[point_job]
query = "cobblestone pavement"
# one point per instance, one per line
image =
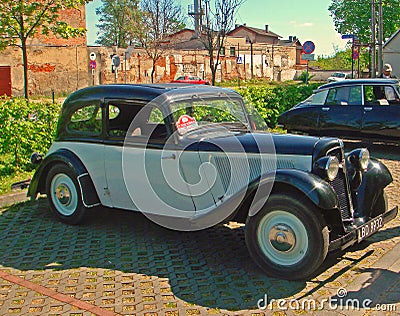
(121, 263)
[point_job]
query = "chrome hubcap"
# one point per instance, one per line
(63, 194)
(282, 237)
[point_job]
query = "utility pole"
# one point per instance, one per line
(380, 37)
(251, 59)
(373, 40)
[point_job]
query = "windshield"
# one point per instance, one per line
(197, 113)
(338, 75)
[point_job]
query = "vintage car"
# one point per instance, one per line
(191, 157)
(190, 80)
(339, 76)
(363, 109)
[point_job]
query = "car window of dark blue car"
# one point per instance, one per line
(317, 98)
(349, 95)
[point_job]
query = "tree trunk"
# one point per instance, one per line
(153, 70)
(25, 65)
(213, 71)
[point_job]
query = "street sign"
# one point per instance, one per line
(239, 59)
(355, 54)
(350, 36)
(347, 36)
(92, 64)
(116, 61)
(307, 56)
(92, 56)
(308, 47)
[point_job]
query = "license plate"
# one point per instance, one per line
(369, 228)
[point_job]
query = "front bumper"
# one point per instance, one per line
(352, 237)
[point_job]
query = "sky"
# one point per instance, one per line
(308, 20)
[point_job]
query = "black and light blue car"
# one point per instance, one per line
(191, 157)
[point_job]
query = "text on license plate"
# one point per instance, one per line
(369, 228)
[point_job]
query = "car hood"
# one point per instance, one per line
(287, 144)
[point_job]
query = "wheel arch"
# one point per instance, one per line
(299, 183)
(64, 156)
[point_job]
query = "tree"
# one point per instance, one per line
(21, 19)
(342, 60)
(114, 27)
(354, 17)
(159, 20)
(219, 20)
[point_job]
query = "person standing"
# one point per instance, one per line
(387, 72)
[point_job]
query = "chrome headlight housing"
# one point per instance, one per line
(327, 167)
(359, 158)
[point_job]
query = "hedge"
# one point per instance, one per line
(271, 101)
(25, 127)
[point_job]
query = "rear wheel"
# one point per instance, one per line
(287, 238)
(63, 193)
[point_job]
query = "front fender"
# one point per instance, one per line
(374, 180)
(318, 191)
(38, 182)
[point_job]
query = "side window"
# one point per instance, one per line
(120, 116)
(317, 98)
(86, 120)
(379, 95)
(390, 93)
(135, 120)
(355, 96)
(344, 96)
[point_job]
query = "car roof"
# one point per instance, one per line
(352, 82)
(144, 92)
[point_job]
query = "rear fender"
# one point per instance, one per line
(64, 156)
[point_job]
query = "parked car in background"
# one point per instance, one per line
(362, 109)
(189, 157)
(190, 80)
(339, 76)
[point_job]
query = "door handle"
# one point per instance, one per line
(367, 109)
(326, 109)
(173, 156)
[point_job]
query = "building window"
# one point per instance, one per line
(232, 51)
(222, 52)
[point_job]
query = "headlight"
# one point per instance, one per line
(327, 167)
(359, 158)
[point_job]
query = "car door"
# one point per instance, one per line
(341, 115)
(381, 113)
(303, 118)
(139, 165)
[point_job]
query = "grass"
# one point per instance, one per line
(8, 180)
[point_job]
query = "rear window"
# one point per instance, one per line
(86, 120)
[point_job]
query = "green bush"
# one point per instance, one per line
(270, 102)
(25, 127)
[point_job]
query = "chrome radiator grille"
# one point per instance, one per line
(340, 186)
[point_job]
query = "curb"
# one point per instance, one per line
(12, 198)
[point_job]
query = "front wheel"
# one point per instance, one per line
(287, 238)
(63, 194)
